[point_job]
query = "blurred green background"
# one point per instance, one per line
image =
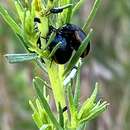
(108, 63)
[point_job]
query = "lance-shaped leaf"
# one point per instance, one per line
(69, 13)
(24, 42)
(92, 15)
(10, 21)
(88, 104)
(52, 36)
(90, 108)
(35, 115)
(77, 89)
(77, 6)
(39, 115)
(97, 110)
(72, 108)
(70, 99)
(46, 105)
(61, 117)
(20, 10)
(41, 65)
(78, 53)
(54, 50)
(16, 58)
(42, 83)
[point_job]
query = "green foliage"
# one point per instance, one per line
(16, 58)
(91, 16)
(9, 20)
(42, 113)
(45, 105)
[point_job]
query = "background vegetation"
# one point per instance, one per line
(108, 63)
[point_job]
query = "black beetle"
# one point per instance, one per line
(74, 35)
(70, 36)
(64, 52)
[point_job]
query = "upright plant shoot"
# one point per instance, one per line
(56, 45)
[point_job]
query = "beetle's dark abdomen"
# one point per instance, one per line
(74, 35)
(64, 52)
(70, 38)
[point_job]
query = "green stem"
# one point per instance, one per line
(56, 83)
(55, 73)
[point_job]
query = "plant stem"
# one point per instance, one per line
(56, 83)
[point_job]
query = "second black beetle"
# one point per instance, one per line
(70, 36)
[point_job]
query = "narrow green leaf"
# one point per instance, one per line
(35, 115)
(46, 106)
(10, 21)
(78, 53)
(44, 2)
(94, 94)
(54, 50)
(39, 107)
(88, 105)
(61, 117)
(99, 105)
(96, 105)
(42, 83)
(92, 15)
(77, 89)
(53, 34)
(41, 65)
(95, 113)
(85, 109)
(69, 13)
(71, 101)
(25, 44)
(16, 58)
(77, 6)
(37, 120)
(32, 106)
(20, 10)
